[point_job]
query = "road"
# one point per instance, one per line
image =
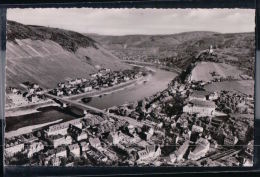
(87, 107)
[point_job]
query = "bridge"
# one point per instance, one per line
(87, 107)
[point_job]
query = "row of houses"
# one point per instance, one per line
(102, 79)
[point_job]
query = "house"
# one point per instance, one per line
(55, 161)
(86, 88)
(149, 133)
(78, 81)
(14, 90)
(59, 93)
(62, 128)
(73, 82)
(91, 120)
(84, 146)
(150, 152)
(61, 151)
(179, 153)
(230, 140)
(206, 108)
(83, 80)
(49, 154)
(29, 138)
(39, 92)
(197, 129)
(186, 134)
(175, 137)
(114, 137)
(213, 96)
(200, 150)
(106, 127)
(74, 149)
(61, 85)
(94, 75)
(34, 147)
(31, 90)
(96, 156)
(95, 142)
(249, 151)
(211, 50)
(77, 133)
(131, 129)
(33, 98)
(82, 136)
(35, 86)
(172, 157)
(57, 140)
(111, 155)
(13, 147)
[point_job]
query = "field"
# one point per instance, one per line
(203, 71)
(244, 86)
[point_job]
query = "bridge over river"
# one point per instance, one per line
(87, 107)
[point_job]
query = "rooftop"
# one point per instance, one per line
(199, 93)
(202, 103)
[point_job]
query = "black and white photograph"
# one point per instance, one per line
(130, 87)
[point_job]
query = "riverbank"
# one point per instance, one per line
(114, 88)
(155, 82)
(32, 107)
(138, 89)
(28, 109)
(111, 89)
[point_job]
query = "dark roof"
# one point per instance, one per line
(200, 93)
(202, 103)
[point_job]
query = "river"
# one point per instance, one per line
(156, 82)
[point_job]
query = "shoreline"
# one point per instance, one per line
(114, 89)
(32, 107)
(28, 109)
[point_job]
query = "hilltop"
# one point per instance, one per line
(50, 55)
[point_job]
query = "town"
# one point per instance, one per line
(183, 125)
(100, 81)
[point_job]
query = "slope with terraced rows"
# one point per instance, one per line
(50, 55)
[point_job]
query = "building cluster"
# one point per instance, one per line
(33, 93)
(192, 125)
(104, 78)
(90, 140)
(181, 125)
(235, 102)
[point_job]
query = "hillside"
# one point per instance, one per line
(179, 49)
(147, 45)
(50, 55)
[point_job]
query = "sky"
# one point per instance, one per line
(138, 21)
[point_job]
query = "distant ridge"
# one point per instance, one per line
(69, 40)
(179, 49)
